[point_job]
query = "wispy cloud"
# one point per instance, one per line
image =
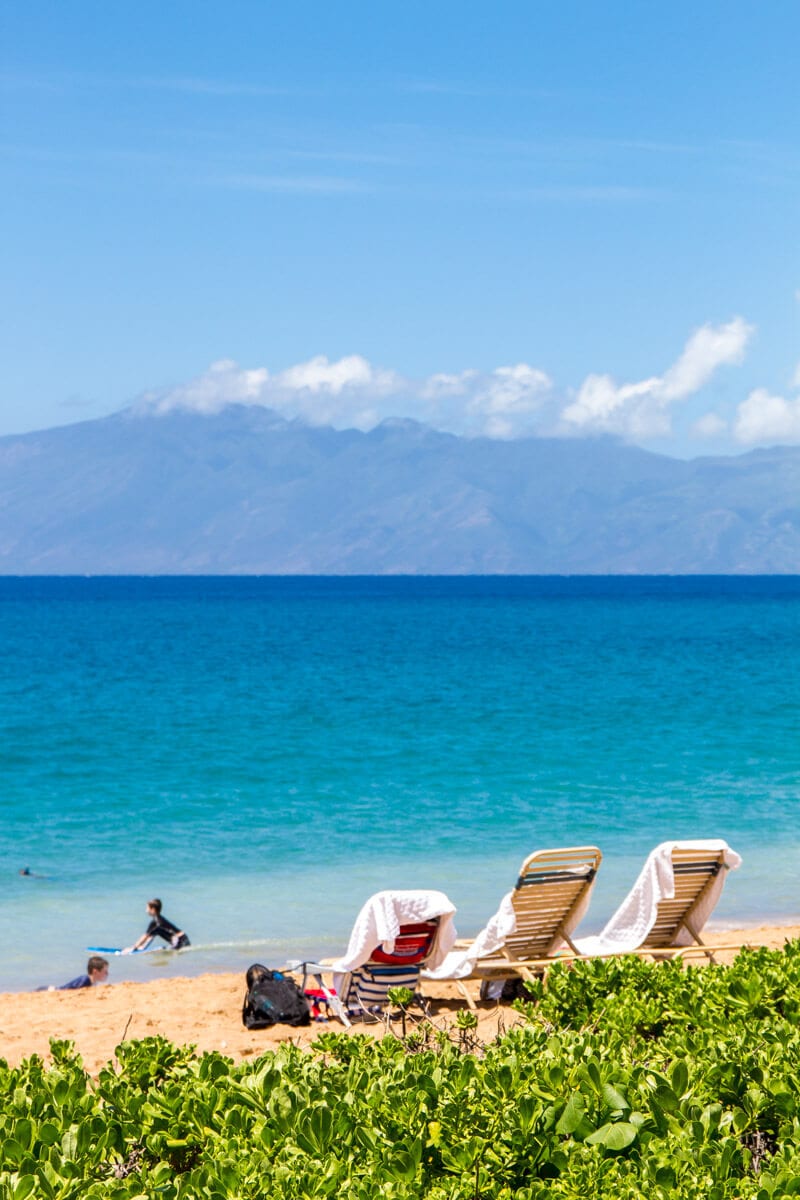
(11, 81)
(327, 185)
(204, 87)
(583, 193)
(360, 158)
(59, 81)
(460, 88)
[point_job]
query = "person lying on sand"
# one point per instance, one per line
(159, 927)
(96, 972)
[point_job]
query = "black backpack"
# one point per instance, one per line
(272, 999)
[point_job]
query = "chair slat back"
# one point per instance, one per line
(551, 885)
(694, 872)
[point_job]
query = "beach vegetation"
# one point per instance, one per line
(625, 1079)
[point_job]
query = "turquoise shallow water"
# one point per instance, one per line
(264, 753)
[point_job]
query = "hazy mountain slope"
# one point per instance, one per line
(245, 491)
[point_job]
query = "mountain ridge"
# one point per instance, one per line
(245, 491)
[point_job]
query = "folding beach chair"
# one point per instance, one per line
(393, 935)
(365, 989)
(534, 923)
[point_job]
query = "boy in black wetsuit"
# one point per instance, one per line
(159, 927)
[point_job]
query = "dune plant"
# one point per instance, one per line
(628, 1079)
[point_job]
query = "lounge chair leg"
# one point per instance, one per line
(463, 989)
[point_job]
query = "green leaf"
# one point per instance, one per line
(527, 1111)
(69, 1142)
(711, 1117)
(615, 1136)
(680, 1077)
(23, 1132)
(593, 1071)
(24, 1187)
(785, 1103)
(666, 1099)
(613, 1098)
(12, 1150)
(573, 1114)
(740, 1120)
(404, 1164)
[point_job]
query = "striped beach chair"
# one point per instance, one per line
(365, 989)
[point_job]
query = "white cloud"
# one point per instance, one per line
(321, 375)
(507, 402)
(709, 347)
(223, 383)
(319, 391)
(763, 418)
(507, 398)
(641, 410)
(602, 405)
(441, 385)
(351, 392)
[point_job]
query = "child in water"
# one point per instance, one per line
(159, 927)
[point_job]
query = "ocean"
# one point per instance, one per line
(263, 753)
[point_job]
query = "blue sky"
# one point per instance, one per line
(530, 218)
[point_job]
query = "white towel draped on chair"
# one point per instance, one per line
(378, 924)
(635, 917)
(460, 963)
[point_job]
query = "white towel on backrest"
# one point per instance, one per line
(635, 917)
(459, 963)
(379, 921)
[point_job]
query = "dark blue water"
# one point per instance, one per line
(263, 753)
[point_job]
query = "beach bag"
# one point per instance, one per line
(273, 999)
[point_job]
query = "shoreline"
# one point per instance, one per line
(205, 1011)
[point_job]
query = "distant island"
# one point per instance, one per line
(244, 491)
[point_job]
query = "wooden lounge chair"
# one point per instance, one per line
(668, 905)
(549, 898)
(698, 874)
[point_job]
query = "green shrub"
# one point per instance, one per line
(628, 1079)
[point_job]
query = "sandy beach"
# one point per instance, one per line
(205, 1011)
